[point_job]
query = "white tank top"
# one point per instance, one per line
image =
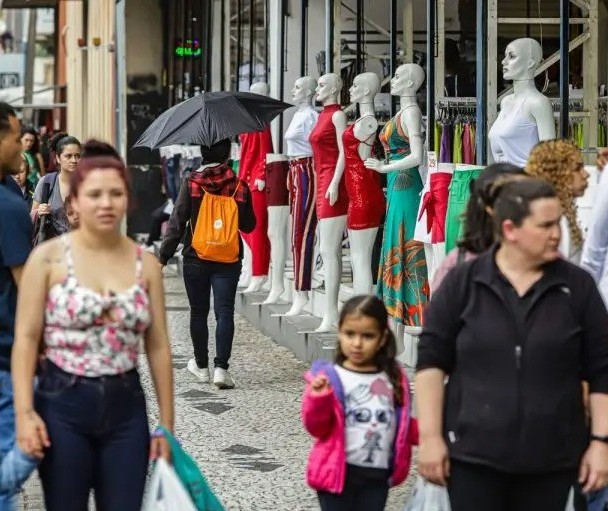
(513, 136)
(298, 132)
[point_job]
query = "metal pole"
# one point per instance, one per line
(303, 36)
(282, 10)
(329, 36)
(431, 14)
(30, 57)
(393, 49)
(564, 68)
(359, 15)
(267, 38)
(239, 42)
(251, 40)
(223, 45)
(481, 81)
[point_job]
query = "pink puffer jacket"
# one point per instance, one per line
(323, 418)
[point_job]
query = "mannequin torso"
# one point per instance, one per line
(526, 116)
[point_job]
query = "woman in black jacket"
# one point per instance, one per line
(202, 273)
(516, 331)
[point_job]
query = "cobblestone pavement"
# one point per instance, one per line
(248, 441)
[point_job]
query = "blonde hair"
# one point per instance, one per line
(555, 161)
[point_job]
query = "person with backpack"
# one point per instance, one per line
(516, 331)
(48, 207)
(213, 205)
(358, 410)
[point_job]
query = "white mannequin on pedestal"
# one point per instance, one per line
(331, 200)
(278, 220)
(257, 281)
(302, 192)
(526, 116)
(404, 185)
(367, 205)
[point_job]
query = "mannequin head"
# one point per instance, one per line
(303, 90)
(261, 88)
(522, 57)
(365, 87)
(407, 80)
(328, 88)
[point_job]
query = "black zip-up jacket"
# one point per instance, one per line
(513, 398)
(218, 180)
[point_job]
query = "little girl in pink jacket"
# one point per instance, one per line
(358, 409)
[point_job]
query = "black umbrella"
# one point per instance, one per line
(210, 117)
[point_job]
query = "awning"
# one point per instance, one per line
(26, 4)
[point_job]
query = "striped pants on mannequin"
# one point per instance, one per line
(302, 191)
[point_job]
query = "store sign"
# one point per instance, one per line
(188, 48)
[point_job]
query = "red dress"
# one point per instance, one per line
(325, 156)
(252, 166)
(366, 203)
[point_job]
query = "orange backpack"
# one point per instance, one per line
(216, 235)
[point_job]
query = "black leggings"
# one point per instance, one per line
(360, 494)
(478, 488)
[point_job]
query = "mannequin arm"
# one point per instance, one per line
(542, 112)
(411, 121)
(339, 120)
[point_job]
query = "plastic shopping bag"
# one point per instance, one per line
(165, 491)
(192, 478)
(428, 497)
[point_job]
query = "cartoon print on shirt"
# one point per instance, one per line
(369, 409)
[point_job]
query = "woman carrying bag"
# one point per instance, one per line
(517, 331)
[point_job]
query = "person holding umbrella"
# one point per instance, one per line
(212, 206)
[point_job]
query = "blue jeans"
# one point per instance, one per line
(200, 277)
(100, 440)
(598, 501)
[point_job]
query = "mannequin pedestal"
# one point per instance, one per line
(278, 219)
(331, 231)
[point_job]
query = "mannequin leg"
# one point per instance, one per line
(361, 247)
(278, 217)
(245, 278)
(331, 231)
(430, 260)
(304, 225)
(259, 243)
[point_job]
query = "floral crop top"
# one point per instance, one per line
(92, 335)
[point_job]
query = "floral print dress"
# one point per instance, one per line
(402, 280)
(90, 334)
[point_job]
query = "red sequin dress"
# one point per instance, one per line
(325, 156)
(366, 203)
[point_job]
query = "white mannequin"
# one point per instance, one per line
(363, 91)
(302, 95)
(256, 282)
(526, 105)
(331, 229)
(278, 220)
(405, 84)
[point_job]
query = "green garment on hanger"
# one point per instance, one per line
(457, 156)
(438, 140)
(460, 191)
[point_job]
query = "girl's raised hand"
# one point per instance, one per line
(319, 385)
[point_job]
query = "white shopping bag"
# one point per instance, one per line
(165, 491)
(428, 497)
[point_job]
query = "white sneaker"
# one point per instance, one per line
(222, 379)
(201, 374)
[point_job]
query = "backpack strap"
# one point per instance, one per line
(236, 189)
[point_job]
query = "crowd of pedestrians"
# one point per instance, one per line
(512, 371)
